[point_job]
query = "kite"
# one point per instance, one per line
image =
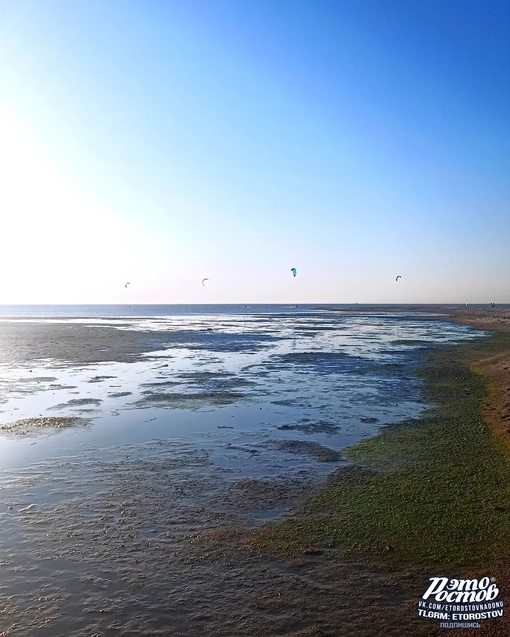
(399, 277)
(128, 283)
(294, 271)
(203, 282)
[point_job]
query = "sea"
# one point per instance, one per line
(152, 310)
(261, 390)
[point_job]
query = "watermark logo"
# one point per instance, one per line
(461, 603)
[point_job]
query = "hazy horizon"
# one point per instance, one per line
(251, 305)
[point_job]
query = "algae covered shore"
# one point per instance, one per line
(434, 491)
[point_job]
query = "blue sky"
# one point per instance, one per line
(163, 142)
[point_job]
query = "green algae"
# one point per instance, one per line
(434, 490)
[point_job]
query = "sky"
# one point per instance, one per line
(161, 142)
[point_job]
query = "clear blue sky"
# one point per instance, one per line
(161, 142)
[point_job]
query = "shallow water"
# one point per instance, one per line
(228, 380)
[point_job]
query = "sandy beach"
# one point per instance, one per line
(156, 541)
(492, 318)
(495, 368)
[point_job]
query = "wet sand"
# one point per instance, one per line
(72, 343)
(160, 552)
(159, 544)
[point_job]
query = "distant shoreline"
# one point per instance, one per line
(494, 319)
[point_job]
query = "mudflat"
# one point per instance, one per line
(75, 343)
(157, 542)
